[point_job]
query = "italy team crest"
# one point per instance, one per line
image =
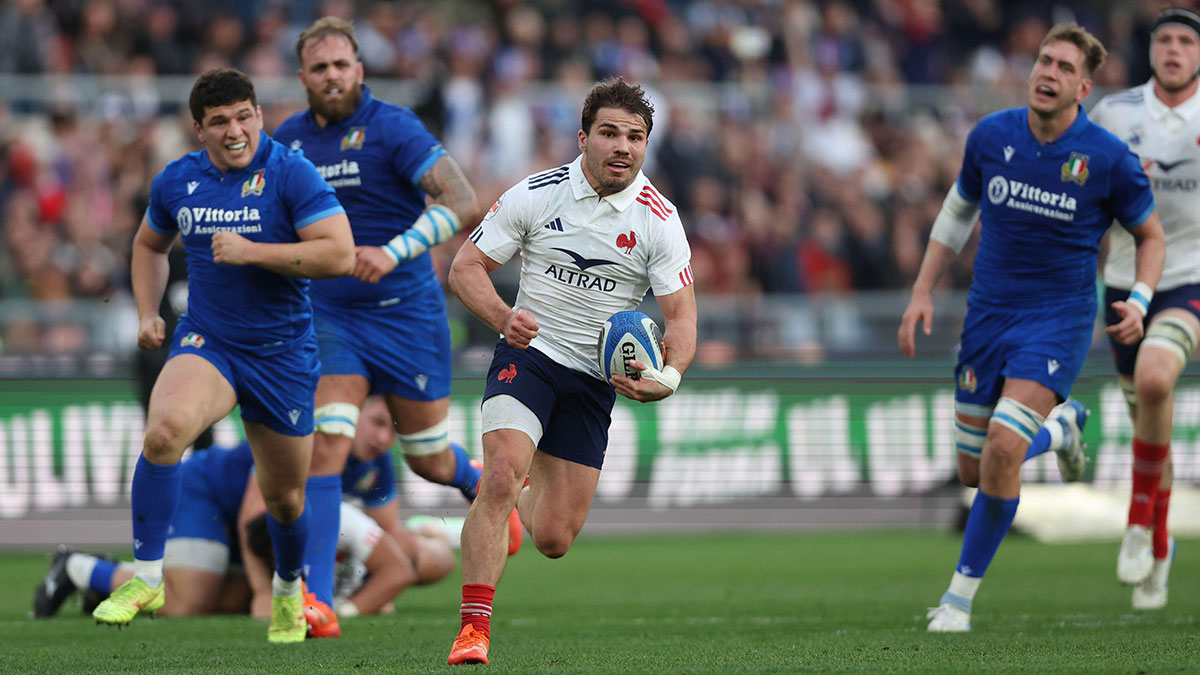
(254, 184)
(353, 140)
(192, 340)
(1075, 169)
(966, 379)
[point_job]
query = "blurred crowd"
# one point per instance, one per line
(807, 143)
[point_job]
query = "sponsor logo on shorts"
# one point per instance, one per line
(422, 380)
(507, 374)
(966, 379)
(194, 340)
(1052, 366)
(294, 415)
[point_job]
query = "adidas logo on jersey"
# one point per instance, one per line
(555, 225)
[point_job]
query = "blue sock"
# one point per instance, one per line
(101, 580)
(325, 501)
(155, 498)
(987, 524)
(288, 542)
(1040, 444)
(466, 477)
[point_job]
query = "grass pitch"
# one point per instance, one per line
(730, 603)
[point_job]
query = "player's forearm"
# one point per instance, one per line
(1148, 260)
(148, 272)
(446, 184)
(474, 288)
(938, 258)
(313, 259)
(679, 341)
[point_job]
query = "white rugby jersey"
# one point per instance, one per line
(584, 258)
(1167, 140)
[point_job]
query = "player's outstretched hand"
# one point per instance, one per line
(371, 264)
(920, 308)
(151, 332)
(520, 329)
(1129, 329)
(642, 389)
(231, 248)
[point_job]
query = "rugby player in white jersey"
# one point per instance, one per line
(593, 236)
(1160, 120)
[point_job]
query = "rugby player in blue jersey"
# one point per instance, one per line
(256, 221)
(1047, 184)
(383, 330)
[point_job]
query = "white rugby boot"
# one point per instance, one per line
(949, 617)
(1068, 445)
(1136, 558)
(1152, 593)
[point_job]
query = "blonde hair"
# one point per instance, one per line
(1094, 52)
(322, 28)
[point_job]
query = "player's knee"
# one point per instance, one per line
(285, 505)
(426, 452)
(437, 468)
(968, 477)
(1153, 385)
(554, 544)
(164, 441)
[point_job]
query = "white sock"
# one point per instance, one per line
(79, 569)
(149, 571)
(1058, 434)
(964, 586)
(283, 588)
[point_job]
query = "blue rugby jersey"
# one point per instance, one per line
(1045, 207)
(373, 482)
(223, 471)
(375, 159)
(270, 200)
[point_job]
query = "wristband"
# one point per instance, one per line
(1140, 297)
(668, 377)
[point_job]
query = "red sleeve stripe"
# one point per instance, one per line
(686, 276)
(642, 200)
(648, 191)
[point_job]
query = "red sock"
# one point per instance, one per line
(1162, 544)
(1148, 460)
(476, 607)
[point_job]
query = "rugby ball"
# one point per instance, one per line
(629, 336)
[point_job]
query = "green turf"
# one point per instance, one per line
(752, 603)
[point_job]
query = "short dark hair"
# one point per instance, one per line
(258, 538)
(615, 92)
(1093, 51)
(322, 28)
(218, 87)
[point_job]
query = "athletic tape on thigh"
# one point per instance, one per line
(506, 412)
(428, 442)
(1174, 335)
(336, 419)
(196, 553)
(968, 438)
(1018, 417)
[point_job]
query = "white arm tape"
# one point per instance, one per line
(955, 221)
(435, 226)
(668, 377)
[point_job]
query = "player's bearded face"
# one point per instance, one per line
(1175, 56)
(332, 76)
(230, 134)
(614, 149)
(1058, 81)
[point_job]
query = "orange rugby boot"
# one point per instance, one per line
(471, 646)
